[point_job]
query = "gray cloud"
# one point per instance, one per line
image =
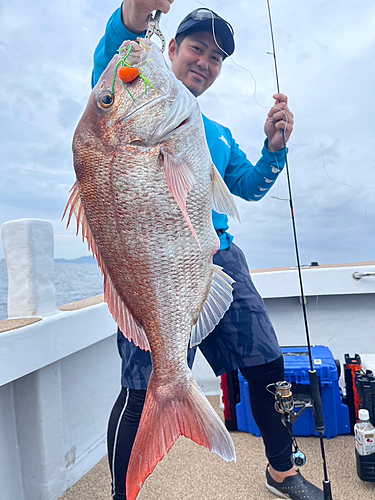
(69, 112)
(325, 66)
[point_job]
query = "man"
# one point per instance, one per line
(244, 338)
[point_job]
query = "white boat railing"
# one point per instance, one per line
(60, 369)
(357, 276)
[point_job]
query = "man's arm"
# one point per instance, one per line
(128, 22)
(252, 182)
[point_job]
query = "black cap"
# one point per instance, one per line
(203, 19)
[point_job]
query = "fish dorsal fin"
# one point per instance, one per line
(216, 305)
(131, 329)
(180, 180)
(222, 199)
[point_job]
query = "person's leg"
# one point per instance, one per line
(245, 335)
(245, 338)
(127, 411)
(122, 429)
(283, 479)
(275, 435)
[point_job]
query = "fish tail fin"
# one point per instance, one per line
(163, 420)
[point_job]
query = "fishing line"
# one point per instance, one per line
(350, 246)
(362, 249)
(333, 180)
(286, 117)
(231, 57)
(310, 145)
(314, 383)
(245, 69)
(291, 200)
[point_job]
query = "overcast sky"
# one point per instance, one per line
(325, 52)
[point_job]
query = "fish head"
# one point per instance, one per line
(143, 111)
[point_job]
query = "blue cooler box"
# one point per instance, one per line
(297, 366)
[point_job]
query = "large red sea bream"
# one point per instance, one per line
(143, 196)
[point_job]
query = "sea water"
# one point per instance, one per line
(72, 281)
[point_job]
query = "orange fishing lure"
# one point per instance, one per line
(127, 74)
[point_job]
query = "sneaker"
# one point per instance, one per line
(294, 487)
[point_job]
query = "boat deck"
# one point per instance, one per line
(190, 472)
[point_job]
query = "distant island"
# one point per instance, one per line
(88, 259)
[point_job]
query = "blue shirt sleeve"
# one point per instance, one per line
(248, 181)
(115, 34)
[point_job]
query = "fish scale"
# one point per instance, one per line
(143, 197)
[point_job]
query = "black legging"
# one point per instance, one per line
(127, 411)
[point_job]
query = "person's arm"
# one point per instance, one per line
(128, 22)
(252, 182)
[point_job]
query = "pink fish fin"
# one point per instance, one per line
(180, 180)
(76, 207)
(73, 204)
(165, 417)
(222, 199)
(216, 305)
(131, 329)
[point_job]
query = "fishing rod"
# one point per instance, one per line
(284, 399)
(284, 403)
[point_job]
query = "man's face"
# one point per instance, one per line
(197, 62)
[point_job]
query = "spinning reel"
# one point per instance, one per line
(284, 404)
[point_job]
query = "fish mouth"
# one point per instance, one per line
(185, 122)
(161, 135)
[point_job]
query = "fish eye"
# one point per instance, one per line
(106, 99)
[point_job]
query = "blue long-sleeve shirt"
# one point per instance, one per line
(248, 181)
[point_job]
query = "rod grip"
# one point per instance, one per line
(327, 490)
(317, 401)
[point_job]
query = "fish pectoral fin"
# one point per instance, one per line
(131, 329)
(180, 180)
(183, 413)
(222, 199)
(216, 305)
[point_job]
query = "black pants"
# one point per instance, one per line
(127, 411)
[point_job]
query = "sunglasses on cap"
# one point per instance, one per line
(209, 21)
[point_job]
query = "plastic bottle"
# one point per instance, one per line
(364, 433)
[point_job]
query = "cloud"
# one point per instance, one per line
(69, 111)
(324, 56)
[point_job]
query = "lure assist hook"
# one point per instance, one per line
(283, 395)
